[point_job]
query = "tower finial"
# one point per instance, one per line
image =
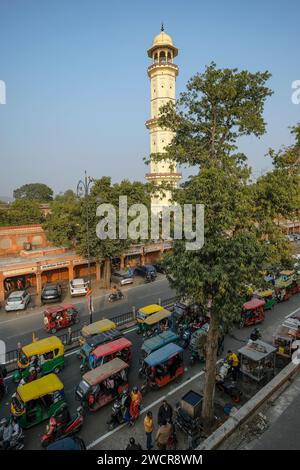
(162, 26)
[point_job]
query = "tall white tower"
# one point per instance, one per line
(162, 74)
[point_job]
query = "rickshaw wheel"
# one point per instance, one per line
(57, 370)
(53, 330)
(236, 398)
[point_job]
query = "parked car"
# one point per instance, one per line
(68, 443)
(145, 270)
(78, 287)
(159, 268)
(51, 293)
(121, 277)
(17, 300)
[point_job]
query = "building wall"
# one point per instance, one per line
(12, 238)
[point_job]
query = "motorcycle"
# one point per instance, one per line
(226, 386)
(118, 295)
(118, 411)
(16, 441)
(57, 429)
(150, 278)
(255, 335)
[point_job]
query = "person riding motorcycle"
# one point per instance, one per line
(255, 335)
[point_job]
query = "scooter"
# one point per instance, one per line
(16, 441)
(116, 417)
(118, 295)
(56, 429)
(255, 335)
(226, 386)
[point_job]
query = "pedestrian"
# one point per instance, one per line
(165, 413)
(132, 445)
(69, 336)
(19, 284)
(163, 435)
(233, 360)
(148, 426)
(135, 404)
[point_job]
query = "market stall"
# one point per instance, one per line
(257, 360)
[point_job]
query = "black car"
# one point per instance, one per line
(51, 293)
(159, 268)
(146, 270)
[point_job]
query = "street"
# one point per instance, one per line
(95, 431)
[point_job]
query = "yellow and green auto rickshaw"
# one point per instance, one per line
(95, 328)
(145, 312)
(268, 296)
(156, 323)
(37, 401)
(45, 355)
(286, 285)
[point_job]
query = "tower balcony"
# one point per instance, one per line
(174, 176)
(162, 64)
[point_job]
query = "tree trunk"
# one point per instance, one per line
(107, 272)
(210, 374)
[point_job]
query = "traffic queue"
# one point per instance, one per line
(106, 355)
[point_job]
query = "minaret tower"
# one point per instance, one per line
(162, 74)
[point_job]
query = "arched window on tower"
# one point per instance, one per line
(155, 58)
(162, 57)
(169, 57)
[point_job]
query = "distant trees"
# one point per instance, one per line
(38, 192)
(21, 212)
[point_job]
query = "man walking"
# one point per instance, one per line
(163, 435)
(165, 413)
(148, 426)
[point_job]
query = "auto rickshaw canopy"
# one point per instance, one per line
(112, 347)
(157, 317)
(57, 309)
(254, 304)
(158, 341)
(163, 354)
(38, 388)
(101, 373)
(98, 327)
(43, 346)
(264, 293)
(144, 312)
(287, 273)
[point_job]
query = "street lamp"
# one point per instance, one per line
(83, 188)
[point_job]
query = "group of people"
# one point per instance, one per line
(165, 433)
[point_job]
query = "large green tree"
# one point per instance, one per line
(21, 212)
(34, 191)
(218, 107)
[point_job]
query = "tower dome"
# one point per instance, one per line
(162, 39)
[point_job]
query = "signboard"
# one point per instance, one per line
(59, 264)
(17, 272)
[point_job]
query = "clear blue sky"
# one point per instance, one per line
(78, 91)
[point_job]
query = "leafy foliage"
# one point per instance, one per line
(34, 191)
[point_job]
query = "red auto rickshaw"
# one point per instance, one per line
(253, 312)
(61, 316)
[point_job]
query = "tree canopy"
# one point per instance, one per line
(38, 192)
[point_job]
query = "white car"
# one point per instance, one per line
(78, 287)
(17, 300)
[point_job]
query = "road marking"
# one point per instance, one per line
(144, 410)
(290, 314)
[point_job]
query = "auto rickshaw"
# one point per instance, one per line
(156, 342)
(268, 296)
(286, 285)
(144, 312)
(103, 384)
(163, 366)
(45, 355)
(95, 328)
(94, 341)
(37, 401)
(283, 340)
(62, 316)
(106, 352)
(253, 312)
(184, 313)
(198, 343)
(156, 323)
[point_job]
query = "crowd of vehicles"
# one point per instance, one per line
(106, 354)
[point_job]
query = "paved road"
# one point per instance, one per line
(20, 327)
(95, 424)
